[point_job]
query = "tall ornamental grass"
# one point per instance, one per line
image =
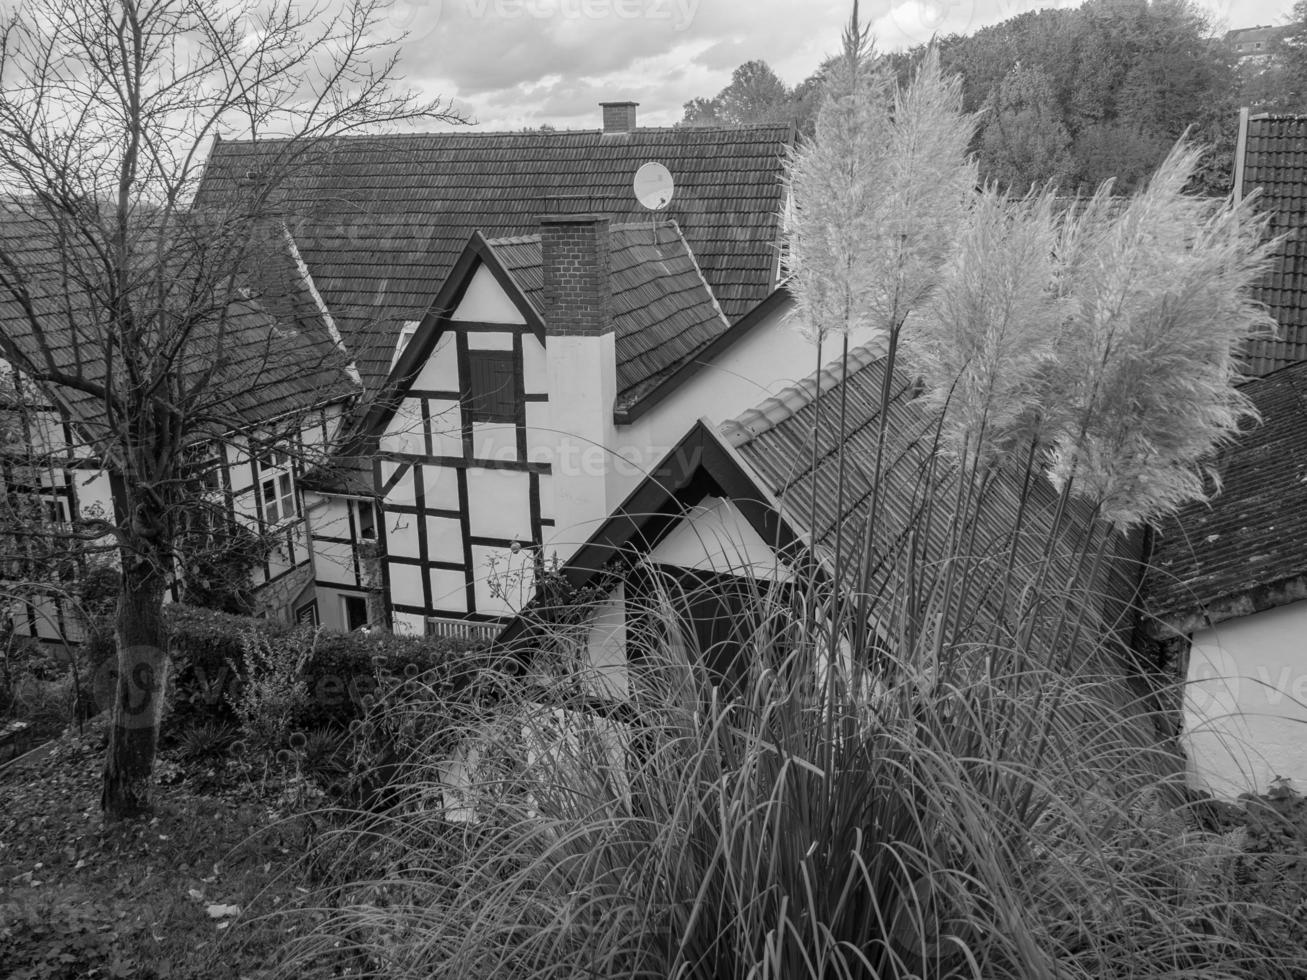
(780, 825)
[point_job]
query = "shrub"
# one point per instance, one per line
(207, 659)
(208, 739)
(273, 691)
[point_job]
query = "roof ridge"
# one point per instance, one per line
(360, 137)
(694, 260)
(790, 401)
(514, 240)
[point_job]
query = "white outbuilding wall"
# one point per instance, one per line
(1246, 702)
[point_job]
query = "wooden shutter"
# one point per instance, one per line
(492, 388)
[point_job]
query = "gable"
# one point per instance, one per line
(715, 537)
(486, 301)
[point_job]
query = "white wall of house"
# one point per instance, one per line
(1245, 712)
(773, 356)
(343, 576)
(715, 537)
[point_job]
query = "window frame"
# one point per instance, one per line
(279, 506)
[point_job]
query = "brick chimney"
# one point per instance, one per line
(574, 252)
(619, 117)
(581, 360)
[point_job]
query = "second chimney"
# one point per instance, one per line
(619, 117)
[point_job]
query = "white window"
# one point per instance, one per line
(278, 499)
(405, 335)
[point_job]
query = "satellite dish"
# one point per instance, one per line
(654, 186)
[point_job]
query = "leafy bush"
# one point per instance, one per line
(273, 692)
(208, 658)
(208, 739)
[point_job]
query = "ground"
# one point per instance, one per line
(184, 895)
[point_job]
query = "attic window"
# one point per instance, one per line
(491, 393)
(405, 335)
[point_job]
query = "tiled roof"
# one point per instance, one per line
(273, 354)
(381, 220)
(776, 440)
(1275, 159)
(663, 311)
(1253, 534)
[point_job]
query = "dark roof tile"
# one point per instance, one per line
(1275, 160)
(1251, 534)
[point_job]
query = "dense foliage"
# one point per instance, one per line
(1075, 96)
(209, 653)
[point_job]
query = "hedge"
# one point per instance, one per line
(207, 655)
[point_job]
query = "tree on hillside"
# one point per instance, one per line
(755, 95)
(1290, 57)
(146, 316)
(1023, 142)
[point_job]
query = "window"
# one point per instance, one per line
(203, 464)
(307, 615)
(356, 611)
(405, 335)
(367, 522)
(278, 499)
(274, 459)
(491, 395)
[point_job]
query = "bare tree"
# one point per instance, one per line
(158, 326)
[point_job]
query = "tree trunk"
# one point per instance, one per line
(138, 700)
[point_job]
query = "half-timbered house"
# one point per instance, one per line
(288, 385)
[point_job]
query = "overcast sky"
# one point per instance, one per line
(516, 63)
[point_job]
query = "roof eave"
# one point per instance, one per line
(1260, 598)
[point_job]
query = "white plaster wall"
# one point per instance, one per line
(499, 504)
(1245, 710)
(406, 585)
(440, 486)
(404, 431)
(772, 357)
(606, 647)
(444, 539)
(409, 624)
(582, 390)
(440, 373)
(717, 538)
(446, 427)
(540, 438)
(402, 535)
(485, 302)
(489, 340)
(495, 441)
(448, 589)
(535, 369)
(504, 582)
